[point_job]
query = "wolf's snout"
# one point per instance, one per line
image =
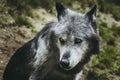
(64, 63)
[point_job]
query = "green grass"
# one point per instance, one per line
(107, 65)
(24, 20)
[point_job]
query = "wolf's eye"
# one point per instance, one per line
(62, 41)
(77, 41)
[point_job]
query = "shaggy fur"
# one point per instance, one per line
(59, 51)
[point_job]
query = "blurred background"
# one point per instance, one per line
(20, 20)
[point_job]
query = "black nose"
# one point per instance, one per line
(64, 63)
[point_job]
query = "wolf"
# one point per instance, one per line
(59, 51)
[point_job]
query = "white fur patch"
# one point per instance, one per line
(78, 76)
(31, 77)
(41, 53)
(77, 54)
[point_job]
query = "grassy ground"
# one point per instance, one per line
(20, 22)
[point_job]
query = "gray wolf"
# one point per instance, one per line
(59, 51)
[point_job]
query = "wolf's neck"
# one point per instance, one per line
(78, 75)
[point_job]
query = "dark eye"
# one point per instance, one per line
(62, 41)
(78, 41)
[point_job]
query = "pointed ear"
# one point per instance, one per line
(60, 10)
(91, 15)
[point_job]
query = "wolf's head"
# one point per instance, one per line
(77, 36)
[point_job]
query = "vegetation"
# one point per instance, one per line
(106, 66)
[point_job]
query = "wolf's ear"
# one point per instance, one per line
(60, 10)
(91, 15)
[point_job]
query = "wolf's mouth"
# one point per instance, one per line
(65, 66)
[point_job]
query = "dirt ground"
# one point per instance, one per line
(11, 38)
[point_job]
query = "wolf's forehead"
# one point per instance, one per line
(76, 32)
(78, 29)
(75, 18)
(75, 24)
